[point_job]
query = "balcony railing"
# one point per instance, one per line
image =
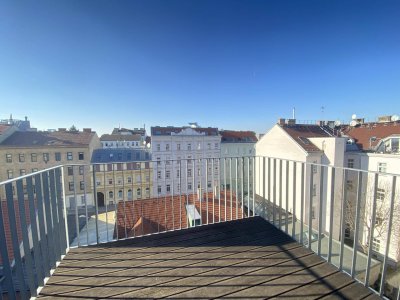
(347, 216)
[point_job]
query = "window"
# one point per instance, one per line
(138, 178)
(209, 146)
(110, 194)
(129, 194)
(178, 187)
(189, 146)
(178, 146)
(314, 167)
(34, 170)
(376, 245)
(71, 186)
(314, 190)
(168, 188)
(189, 186)
(158, 147)
(57, 156)
(158, 174)
(198, 146)
(82, 185)
(120, 194)
(178, 172)
(110, 181)
(21, 157)
(83, 202)
(313, 212)
(167, 174)
(380, 194)
(9, 174)
(216, 145)
(129, 179)
(81, 156)
(22, 172)
(148, 191)
(46, 157)
(81, 170)
(209, 184)
(98, 182)
(198, 172)
(119, 180)
(167, 147)
(350, 163)
(158, 161)
(70, 171)
(349, 185)
(159, 189)
(9, 158)
(382, 167)
(33, 157)
(189, 172)
(69, 156)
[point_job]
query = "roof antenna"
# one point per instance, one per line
(294, 113)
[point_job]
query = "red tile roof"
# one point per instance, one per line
(7, 227)
(238, 136)
(301, 132)
(362, 134)
(168, 213)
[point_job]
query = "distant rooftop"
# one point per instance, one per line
(61, 138)
(120, 137)
(230, 136)
(125, 131)
(209, 131)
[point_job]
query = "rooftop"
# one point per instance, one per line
(369, 135)
(171, 129)
(230, 136)
(120, 137)
(246, 258)
(301, 132)
(54, 139)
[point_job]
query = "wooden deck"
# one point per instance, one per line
(240, 259)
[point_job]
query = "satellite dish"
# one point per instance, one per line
(353, 116)
(395, 118)
(353, 123)
(337, 123)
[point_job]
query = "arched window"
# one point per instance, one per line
(120, 194)
(129, 194)
(138, 192)
(110, 194)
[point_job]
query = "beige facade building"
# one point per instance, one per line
(25, 152)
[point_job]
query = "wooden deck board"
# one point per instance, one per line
(239, 259)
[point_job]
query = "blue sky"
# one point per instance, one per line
(231, 64)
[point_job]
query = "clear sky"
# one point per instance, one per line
(230, 64)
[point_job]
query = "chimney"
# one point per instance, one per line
(89, 130)
(291, 121)
(320, 123)
(281, 121)
(62, 129)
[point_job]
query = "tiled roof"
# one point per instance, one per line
(4, 128)
(301, 132)
(230, 136)
(120, 137)
(362, 134)
(168, 130)
(55, 139)
(7, 229)
(119, 155)
(168, 213)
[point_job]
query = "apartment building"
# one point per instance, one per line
(24, 152)
(313, 145)
(124, 138)
(237, 150)
(185, 159)
(121, 175)
(374, 146)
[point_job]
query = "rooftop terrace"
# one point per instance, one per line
(246, 258)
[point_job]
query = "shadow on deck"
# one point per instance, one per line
(239, 259)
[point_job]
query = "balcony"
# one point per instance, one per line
(271, 234)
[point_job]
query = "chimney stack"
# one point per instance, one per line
(89, 130)
(281, 121)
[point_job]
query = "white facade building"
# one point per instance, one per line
(285, 147)
(237, 152)
(185, 159)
